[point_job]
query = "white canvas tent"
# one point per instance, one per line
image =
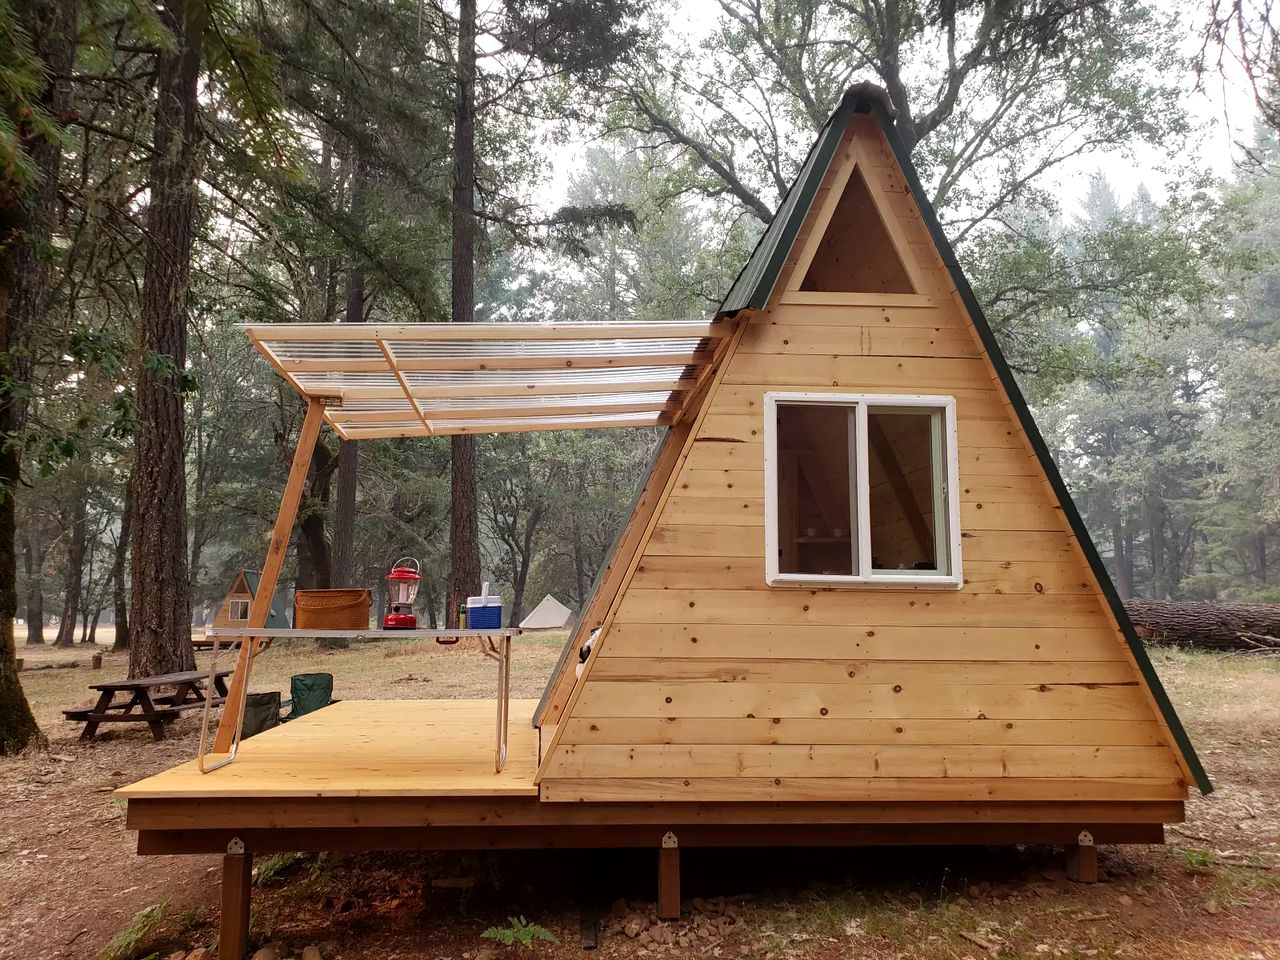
(550, 614)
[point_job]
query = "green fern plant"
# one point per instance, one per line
(128, 942)
(519, 931)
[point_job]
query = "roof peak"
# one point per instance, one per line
(861, 95)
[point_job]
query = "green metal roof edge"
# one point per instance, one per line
(1050, 467)
(755, 282)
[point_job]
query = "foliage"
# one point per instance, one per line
(21, 116)
(519, 931)
(268, 869)
(991, 97)
(127, 943)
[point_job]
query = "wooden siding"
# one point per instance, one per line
(708, 685)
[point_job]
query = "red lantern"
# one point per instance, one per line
(402, 586)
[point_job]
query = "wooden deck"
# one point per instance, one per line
(369, 748)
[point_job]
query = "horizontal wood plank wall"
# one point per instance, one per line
(711, 686)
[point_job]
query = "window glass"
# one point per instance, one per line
(814, 498)
(905, 490)
(858, 490)
(239, 610)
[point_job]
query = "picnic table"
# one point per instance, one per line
(135, 701)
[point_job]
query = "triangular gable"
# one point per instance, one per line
(754, 289)
(855, 246)
(277, 616)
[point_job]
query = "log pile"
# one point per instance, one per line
(1207, 625)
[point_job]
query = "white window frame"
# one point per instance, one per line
(232, 605)
(948, 503)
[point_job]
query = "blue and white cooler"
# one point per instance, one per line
(484, 612)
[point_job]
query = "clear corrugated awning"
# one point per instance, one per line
(438, 379)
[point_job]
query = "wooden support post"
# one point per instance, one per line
(589, 895)
(589, 925)
(1082, 859)
(237, 880)
(261, 607)
(669, 878)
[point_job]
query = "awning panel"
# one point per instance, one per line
(405, 380)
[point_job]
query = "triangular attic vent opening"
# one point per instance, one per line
(856, 254)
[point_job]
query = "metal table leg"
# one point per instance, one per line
(501, 651)
(208, 707)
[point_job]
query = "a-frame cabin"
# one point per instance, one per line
(235, 606)
(854, 603)
(857, 575)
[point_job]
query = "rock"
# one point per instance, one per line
(312, 953)
(200, 953)
(1211, 906)
(633, 927)
(975, 891)
(1124, 900)
(486, 953)
(266, 953)
(701, 905)
(619, 909)
(177, 955)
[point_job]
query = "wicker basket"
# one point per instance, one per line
(331, 609)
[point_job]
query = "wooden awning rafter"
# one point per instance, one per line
(440, 379)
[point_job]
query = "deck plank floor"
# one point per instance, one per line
(370, 748)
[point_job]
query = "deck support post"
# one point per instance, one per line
(237, 880)
(1082, 859)
(669, 877)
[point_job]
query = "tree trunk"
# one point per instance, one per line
(524, 560)
(119, 595)
(1123, 562)
(315, 569)
(1205, 624)
(93, 627)
(579, 565)
(18, 726)
(464, 519)
(33, 568)
(160, 600)
(1156, 545)
(344, 510)
(431, 601)
(77, 546)
(26, 223)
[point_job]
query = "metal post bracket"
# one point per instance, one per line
(669, 841)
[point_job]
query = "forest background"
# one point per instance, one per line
(1107, 169)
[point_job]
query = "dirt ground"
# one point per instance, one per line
(70, 882)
